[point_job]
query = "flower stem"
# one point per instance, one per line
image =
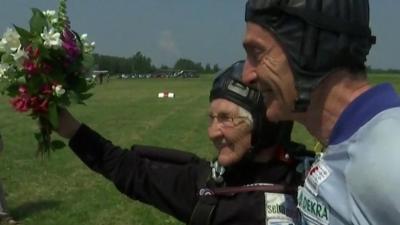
(44, 144)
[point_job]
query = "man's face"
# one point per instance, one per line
(230, 133)
(268, 69)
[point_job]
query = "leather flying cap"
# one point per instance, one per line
(318, 36)
(228, 85)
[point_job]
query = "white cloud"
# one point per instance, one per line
(167, 43)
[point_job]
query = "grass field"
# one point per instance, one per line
(62, 191)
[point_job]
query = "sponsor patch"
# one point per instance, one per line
(318, 173)
(280, 209)
(313, 210)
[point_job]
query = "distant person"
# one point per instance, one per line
(308, 59)
(101, 77)
(252, 181)
(5, 218)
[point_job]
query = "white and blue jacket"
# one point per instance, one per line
(357, 180)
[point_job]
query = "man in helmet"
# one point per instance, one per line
(307, 57)
(252, 181)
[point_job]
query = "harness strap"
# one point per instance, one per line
(204, 210)
(208, 199)
(271, 188)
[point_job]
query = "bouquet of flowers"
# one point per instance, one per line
(44, 68)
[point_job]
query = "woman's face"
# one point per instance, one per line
(229, 131)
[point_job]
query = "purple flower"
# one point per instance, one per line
(69, 44)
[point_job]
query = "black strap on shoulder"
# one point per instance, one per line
(258, 187)
(204, 210)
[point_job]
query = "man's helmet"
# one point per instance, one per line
(318, 36)
(228, 85)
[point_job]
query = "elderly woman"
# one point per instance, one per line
(252, 181)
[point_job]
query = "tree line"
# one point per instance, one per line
(139, 63)
(382, 71)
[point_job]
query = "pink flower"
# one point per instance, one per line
(36, 53)
(21, 103)
(30, 67)
(23, 89)
(46, 89)
(33, 53)
(44, 106)
(39, 105)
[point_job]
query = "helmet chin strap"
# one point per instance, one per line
(303, 101)
(217, 171)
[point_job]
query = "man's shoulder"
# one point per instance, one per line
(383, 127)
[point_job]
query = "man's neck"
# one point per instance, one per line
(328, 102)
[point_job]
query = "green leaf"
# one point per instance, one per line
(26, 36)
(80, 85)
(21, 79)
(74, 97)
(34, 84)
(13, 89)
(37, 21)
(57, 144)
(64, 100)
(86, 96)
(38, 137)
(7, 58)
(44, 52)
(88, 61)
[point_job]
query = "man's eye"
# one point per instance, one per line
(256, 54)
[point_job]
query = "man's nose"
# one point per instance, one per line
(249, 76)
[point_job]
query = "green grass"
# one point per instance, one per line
(62, 191)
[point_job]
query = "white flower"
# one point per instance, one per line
(51, 38)
(3, 70)
(49, 13)
(51, 16)
(19, 57)
(10, 41)
(83, 37)
(3, 45)
(58, 90)
(88, 47)
(54, 21)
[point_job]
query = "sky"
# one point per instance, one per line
(206, 31)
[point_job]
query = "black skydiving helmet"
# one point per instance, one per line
(318, 37)
(227, 85)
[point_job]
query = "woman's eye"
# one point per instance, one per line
(224, 118)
